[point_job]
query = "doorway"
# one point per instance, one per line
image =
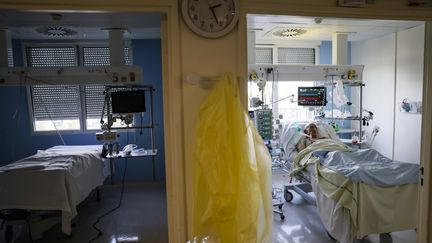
(381, 46)
(80, 39)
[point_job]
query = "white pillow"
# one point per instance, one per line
(327, 131)
(290, 135)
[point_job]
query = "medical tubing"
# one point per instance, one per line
(120, 201)
(273, 88)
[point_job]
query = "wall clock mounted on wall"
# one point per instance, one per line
(211, 18)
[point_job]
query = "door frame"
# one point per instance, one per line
(172, 95)
(275, 7)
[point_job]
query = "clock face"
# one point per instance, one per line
(210, 18)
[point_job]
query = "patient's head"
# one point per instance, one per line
(311, 130)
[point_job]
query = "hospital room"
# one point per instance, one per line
(82, 127)
(136, 126)
(333, 97)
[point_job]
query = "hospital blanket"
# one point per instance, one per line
(372, 209)
(371, 167)
(305, 158)
(65, 177)
(364, 165)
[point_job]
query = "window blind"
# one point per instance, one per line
(296, 55)
(94, 94)
(264, 55)
(10, 58)
(100, 56)
(63, 102)
(55, 102)
(51, 56)
(94, 99)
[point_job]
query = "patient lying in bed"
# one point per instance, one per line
(359, 191)
(296, 136)
(310, 135)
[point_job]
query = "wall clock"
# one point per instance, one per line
(211, 18)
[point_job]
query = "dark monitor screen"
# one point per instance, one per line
(311, 96)
(128, 101)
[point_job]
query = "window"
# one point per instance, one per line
(296, 55)
(264, 55)
(68, 107)
(288, 107)
(94, 94)
(282, 95)
(10, 58)
(56, 107)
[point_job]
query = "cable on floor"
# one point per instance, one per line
(100, 233)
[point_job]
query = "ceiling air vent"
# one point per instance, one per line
(56, 31)
(289, 32)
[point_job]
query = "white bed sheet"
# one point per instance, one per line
(70, 173)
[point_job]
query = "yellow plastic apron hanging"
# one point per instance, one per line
(232, 171)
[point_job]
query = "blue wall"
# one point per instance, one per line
(17, 141)
(326, 52)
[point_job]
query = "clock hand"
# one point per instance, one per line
(215, 6)
(214, 15)
(213, 12)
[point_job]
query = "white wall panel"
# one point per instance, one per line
(378, 56)
(409, 84)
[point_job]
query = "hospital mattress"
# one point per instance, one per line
(58, 178)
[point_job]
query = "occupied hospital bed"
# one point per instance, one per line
(58, 178)
(358, 192)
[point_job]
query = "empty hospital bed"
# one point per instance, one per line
(358, 192)
(58, 178)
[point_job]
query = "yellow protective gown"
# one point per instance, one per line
(232, 171)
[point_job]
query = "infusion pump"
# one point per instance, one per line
(106, 136)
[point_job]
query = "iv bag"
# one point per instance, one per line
(339, 97)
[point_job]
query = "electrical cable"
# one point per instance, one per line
(16, 116)
(141, 124)
(52, 121)
(94, 225)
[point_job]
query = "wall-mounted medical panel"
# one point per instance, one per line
(309, 72)
(109, 75)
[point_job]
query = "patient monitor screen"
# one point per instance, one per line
(312, 96)
(128, 101)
